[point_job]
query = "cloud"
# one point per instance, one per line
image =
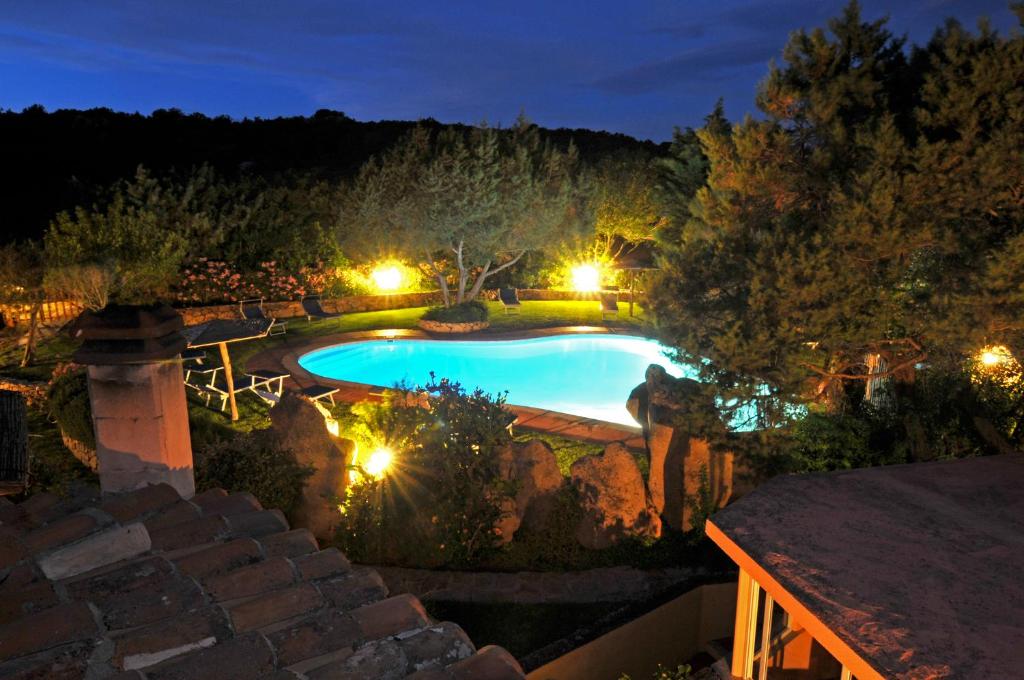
(700, 64)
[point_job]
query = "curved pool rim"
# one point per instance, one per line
(539, 418)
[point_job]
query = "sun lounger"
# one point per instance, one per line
(314, 309)
(253, 309)
(509, 298)
(318, 392)
(609, 305)
(265, 379)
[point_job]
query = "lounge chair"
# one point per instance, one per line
(315, 311)
(609, 305)
(211, 392)
(265, 380)
(509, 298)
(196, 376)
(253, 309)
(318, 392)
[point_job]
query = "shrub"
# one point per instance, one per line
(440, 502)
(254, 462)
(466, 312)
(680, 672)
(68, 402)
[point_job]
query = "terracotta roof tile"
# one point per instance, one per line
(253, 579)
(147, 586)
(144, 501)
(188, 534)
(274, 606)
(257, 523)
(323, 564)
(326, 631)
(289, 543)
(148, 645)
(220, 558)
(246, 656)
(51, 627)
(232, 504)
(171, 515)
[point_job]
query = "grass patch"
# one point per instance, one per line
(567, 451)
(53, 467)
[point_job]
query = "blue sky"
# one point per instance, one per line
(626, 66)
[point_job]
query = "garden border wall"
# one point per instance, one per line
(671, 634)
(290, 309)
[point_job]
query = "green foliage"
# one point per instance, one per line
(871, 211)
(254, 462)
(439, 503)
(467, 203)
(680, 672)
(464, 312)
(67, 399)
(702, 505)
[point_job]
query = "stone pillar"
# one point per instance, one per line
(137, 393)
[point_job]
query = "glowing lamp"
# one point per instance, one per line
(387, 278)
(993, 356)
(378, 463)
(586, 278)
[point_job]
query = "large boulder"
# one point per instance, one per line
(532, 467)
(303, 430)
(614, 499)
(671, 410)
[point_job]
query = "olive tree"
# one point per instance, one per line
(467, 203)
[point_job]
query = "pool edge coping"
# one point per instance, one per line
(528, 417)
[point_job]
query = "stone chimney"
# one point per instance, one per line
(137, 392)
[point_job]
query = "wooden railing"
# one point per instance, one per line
(52, 312)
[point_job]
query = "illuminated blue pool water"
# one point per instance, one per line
(583, 375)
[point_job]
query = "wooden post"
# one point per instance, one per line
(632, 294)
(226, 360)
(745, 635)
(13, 443)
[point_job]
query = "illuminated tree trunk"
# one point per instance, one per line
(30, 342)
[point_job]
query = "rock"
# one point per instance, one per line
(532, 466)
(670, 411)
(302, 429)
(614, 499)
(677, 462)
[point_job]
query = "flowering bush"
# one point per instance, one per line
(213, 281)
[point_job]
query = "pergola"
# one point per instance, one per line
(634, 258)
(905, 572)
(221, 332)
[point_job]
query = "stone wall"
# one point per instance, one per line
(293, 308)
(290, 309)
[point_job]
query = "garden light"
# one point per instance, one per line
(993, 356)
(387, 278)
(379, 462)
(586, 278)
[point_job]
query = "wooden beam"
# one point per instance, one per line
(745, 632)
(229, 377)
(766, 637)
(798, 612)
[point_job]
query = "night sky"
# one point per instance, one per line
(621, 65)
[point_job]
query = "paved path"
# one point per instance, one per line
(612, 584)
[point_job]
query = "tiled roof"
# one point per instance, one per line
(915, 568)
(148, 585)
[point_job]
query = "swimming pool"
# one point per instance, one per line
(582, 375)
